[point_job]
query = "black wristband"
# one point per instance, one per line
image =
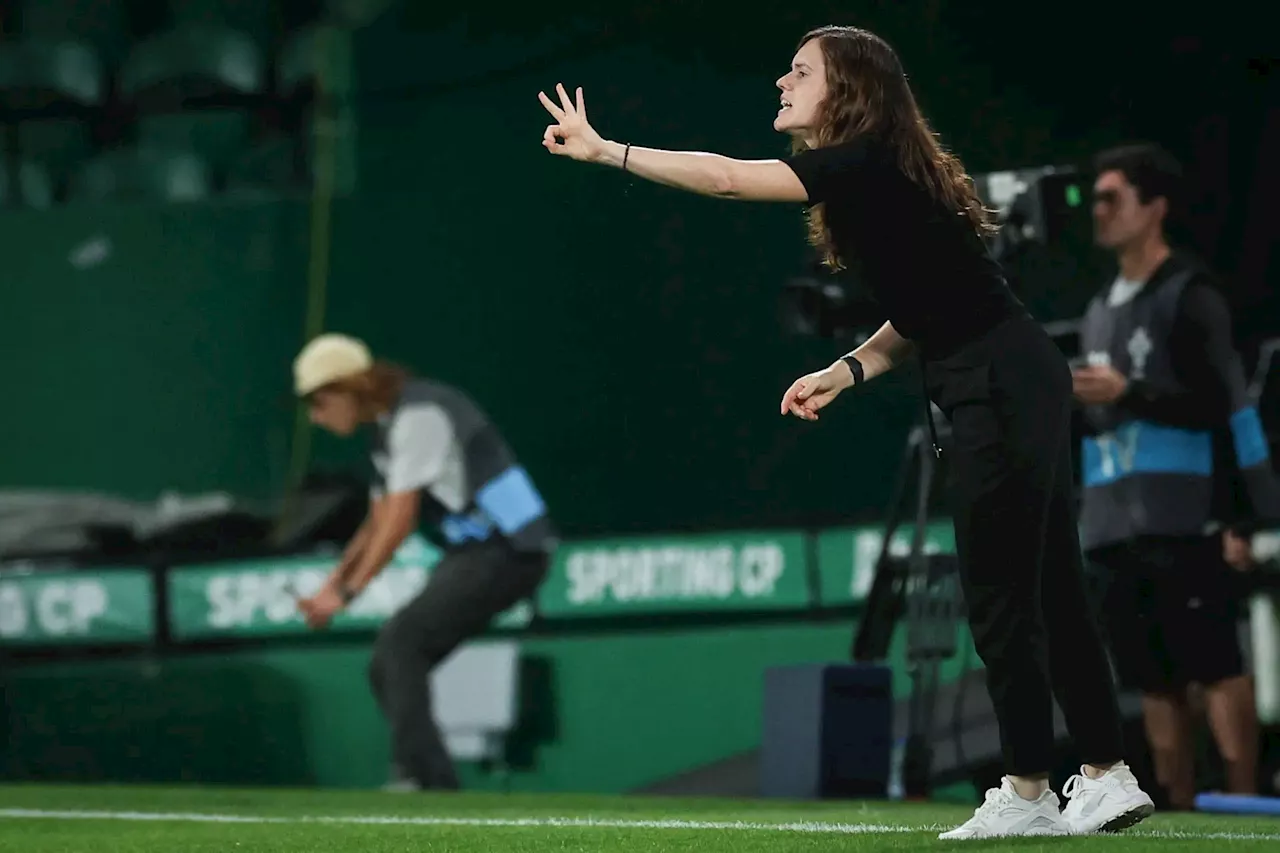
(855, 366)
(626, 152)
(346, 593)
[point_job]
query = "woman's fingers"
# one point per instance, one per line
(789, 397)
(805, 397)
(797, 393)
(555, 111)
(565, 103)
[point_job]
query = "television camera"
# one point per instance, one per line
(1042, 221)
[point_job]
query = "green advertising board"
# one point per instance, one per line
(847, 557)
(257, 598)
(672, 574)
(82, 607)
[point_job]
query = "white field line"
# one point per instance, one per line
(555, 823)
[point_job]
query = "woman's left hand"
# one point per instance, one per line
(815, 391)
(572, 135)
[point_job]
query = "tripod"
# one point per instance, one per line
(925, 588)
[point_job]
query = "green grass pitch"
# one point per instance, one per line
(44, 819)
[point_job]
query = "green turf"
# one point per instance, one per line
(34, 819)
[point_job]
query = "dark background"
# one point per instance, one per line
(624, 336)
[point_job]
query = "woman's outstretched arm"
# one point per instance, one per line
(707, 174)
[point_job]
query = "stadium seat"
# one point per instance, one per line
(269, 168)
(307, 130)
(296, 67)
(34, 189)
(56, 144)
(300, 56)
(355, 13)
(192, 62)
(217, 135)
(127, 174)
(36, 74)
(102, 24)
(251, 17)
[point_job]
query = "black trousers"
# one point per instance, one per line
(466, 590)
(1008, 398)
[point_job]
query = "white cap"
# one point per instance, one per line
(327, 359)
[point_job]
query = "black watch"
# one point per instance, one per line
(347, 594)
(855, 366)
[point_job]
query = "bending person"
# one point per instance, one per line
(437, 459)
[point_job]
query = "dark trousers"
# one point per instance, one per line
(466, 590)
(1008, 398)
(1172, 612)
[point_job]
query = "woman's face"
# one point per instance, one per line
(804, 88)
(335, 410)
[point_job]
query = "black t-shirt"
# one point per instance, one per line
(926, 265)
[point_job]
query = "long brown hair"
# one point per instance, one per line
(868, 94)
(376, 390)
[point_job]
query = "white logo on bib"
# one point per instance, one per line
(1140, 347)
(1117, 451)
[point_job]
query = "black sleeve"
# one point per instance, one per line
(1208, 366)
(833, 171)
(1216, 398)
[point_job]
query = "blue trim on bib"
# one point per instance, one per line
(459, 528)
(1142, 447)
(1249, 438)
(511, 500)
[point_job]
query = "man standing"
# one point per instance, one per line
(437, 459)
(1166, 406)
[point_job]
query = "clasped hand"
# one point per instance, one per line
(320, 608)
(815, 391)
(1098, 384)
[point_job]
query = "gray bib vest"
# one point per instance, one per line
(1143, 478)
(501, 499)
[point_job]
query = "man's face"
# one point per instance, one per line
(1120, 219)
(335, 410)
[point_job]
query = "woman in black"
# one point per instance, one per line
(882, 194)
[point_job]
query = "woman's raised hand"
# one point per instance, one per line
(572, 135)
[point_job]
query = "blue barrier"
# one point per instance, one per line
(1238, 804)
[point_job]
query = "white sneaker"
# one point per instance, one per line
(1004, 813)
(1107, 804)
(399, 782)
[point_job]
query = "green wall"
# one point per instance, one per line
(606, 712)
(624, 336)
(142, 345)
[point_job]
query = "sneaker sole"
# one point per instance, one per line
(1035, 833)
(1132, 817)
